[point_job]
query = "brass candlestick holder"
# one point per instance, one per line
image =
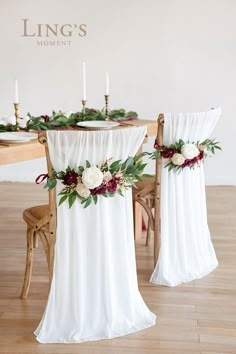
(16, 107)
(106, 106)
(83, 105)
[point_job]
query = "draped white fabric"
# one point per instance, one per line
(94, 292)
(186, 251)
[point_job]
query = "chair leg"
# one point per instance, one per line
(35, 240)
(148, 237)
(149, 229)
(45, 244)
(29, 263)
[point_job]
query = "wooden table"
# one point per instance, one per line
(10, 153)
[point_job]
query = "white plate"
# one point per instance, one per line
(17, 137)
(98, 124)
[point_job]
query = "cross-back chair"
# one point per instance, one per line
(147, 194)
(183, 211)
(41, 224)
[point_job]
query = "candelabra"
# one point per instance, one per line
(83, 105)
(16, 107)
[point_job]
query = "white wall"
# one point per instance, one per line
(162, 55)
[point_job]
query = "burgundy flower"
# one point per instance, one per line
(191, 162)
(46, 118)
(98, 190)
(188, 163)
(201, 155)
(118, 176)
(112, 185)
(70, 177)
(168, 153)
(156, 145)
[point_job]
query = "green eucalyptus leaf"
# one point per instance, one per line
(95, 198)
(138, 178)
(88, 202)
(147, 175)
(120, 192)
(62, 199)
(88, 164)
(72, 198)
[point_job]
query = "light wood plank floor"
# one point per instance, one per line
(197, 317)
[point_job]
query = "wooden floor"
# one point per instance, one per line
(197, 317)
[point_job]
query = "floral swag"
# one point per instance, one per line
(65, 120)
(181, 154)
(87, 183)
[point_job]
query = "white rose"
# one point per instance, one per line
(9, 120)
(177, 159)
(23, 122)
(92, 177)
(189, 151)
(82, 190)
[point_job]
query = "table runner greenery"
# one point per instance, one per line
(61, 120)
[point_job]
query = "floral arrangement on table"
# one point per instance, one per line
(64, 120)
(8, 128)
(8, 124)
(106, 179)
(181, 154)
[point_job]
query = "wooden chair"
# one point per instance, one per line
(147, 194)
(41, 223)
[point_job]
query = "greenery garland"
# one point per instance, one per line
(60, 120)
(8, 128)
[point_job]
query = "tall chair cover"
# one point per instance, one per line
(94, 292)
(186, 251)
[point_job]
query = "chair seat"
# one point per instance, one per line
(37, 216)
(38, 211)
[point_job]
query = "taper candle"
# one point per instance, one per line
(16, 92)
(107, 84)
(84, 82)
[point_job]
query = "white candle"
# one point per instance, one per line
(84, 82)
(16, 92)
(107, 84)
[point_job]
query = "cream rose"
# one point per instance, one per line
(82, 190)
(189, 151)
(92, 177)
(177, 159)
(107, 176)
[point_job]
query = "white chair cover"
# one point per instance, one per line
(94, 292)
(186, 251)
